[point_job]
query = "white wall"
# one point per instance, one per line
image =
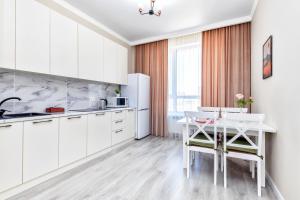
(279, 96)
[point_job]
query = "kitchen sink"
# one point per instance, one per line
(21, 115)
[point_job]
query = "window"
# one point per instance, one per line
(184, 78)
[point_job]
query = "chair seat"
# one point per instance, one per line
(195, 141)
(241, 141)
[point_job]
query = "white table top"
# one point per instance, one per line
(221, 123)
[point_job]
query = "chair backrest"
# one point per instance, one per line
(234, 110)
(242, 123)
(209, 109)
(200, 121)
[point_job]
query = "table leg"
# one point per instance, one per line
(263, 163)
(184, 149)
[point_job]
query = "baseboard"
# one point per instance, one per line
(274, 187)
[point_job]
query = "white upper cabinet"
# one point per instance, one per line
(122, 65)
(110, 62)
(7, 34)
(63, 46)
(90, 48)
(11, 137)
(32, 36)
(115, 62)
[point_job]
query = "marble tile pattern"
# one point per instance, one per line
(41, 91)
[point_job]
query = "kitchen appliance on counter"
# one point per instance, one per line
(117, 102)
(103, 104)
(55, 110)
(138, 92)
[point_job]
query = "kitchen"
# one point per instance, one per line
(148, 99)
(58, 93)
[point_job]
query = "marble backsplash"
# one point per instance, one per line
(41, 91)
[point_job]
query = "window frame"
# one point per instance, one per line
(173, 95)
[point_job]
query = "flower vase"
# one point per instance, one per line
(241, 109)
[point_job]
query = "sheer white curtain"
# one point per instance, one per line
(184, 77)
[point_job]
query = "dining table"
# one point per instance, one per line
(220, 124)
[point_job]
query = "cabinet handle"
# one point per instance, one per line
(118, 112)
(6, 126)
(100, 114)
(119, 121)
(131, 110)
(77, 117)
(119, 131)
(39, 122)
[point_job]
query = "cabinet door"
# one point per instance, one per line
(40, 154)
(118, 136)
(123, 65)
(32, 36)
(119, 130)
(131, 123)
(7, 34)
(90, 54)
(72, 139)
(110, 61)
(10, 155)
(63, 46)
(99, 132)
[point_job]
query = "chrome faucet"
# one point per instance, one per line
(2, 111)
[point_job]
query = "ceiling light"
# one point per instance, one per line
(151, 11)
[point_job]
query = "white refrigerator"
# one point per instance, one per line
(138, 93)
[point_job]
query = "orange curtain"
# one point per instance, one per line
(226, 65)
(152, 59)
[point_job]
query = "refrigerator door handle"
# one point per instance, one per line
(144, 109)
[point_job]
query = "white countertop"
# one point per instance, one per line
(57, 115)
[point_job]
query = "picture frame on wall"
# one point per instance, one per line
(268, 58)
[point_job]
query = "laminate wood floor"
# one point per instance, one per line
(150, 169)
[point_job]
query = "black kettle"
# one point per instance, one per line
(103, 104)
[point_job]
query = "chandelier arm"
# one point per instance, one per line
(151, 11)
(145, 13)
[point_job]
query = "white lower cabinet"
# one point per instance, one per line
(99, 132)
(118, 135)
(131, 123)
(118, 127)
(10, 155)
(31, 149)
(72, 139)
(40, 151)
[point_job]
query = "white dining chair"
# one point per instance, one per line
(240, 145)
(209, 109)
(233, 110)
(200, 140)
(227, 110)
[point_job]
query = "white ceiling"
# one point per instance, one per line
(122, 16)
